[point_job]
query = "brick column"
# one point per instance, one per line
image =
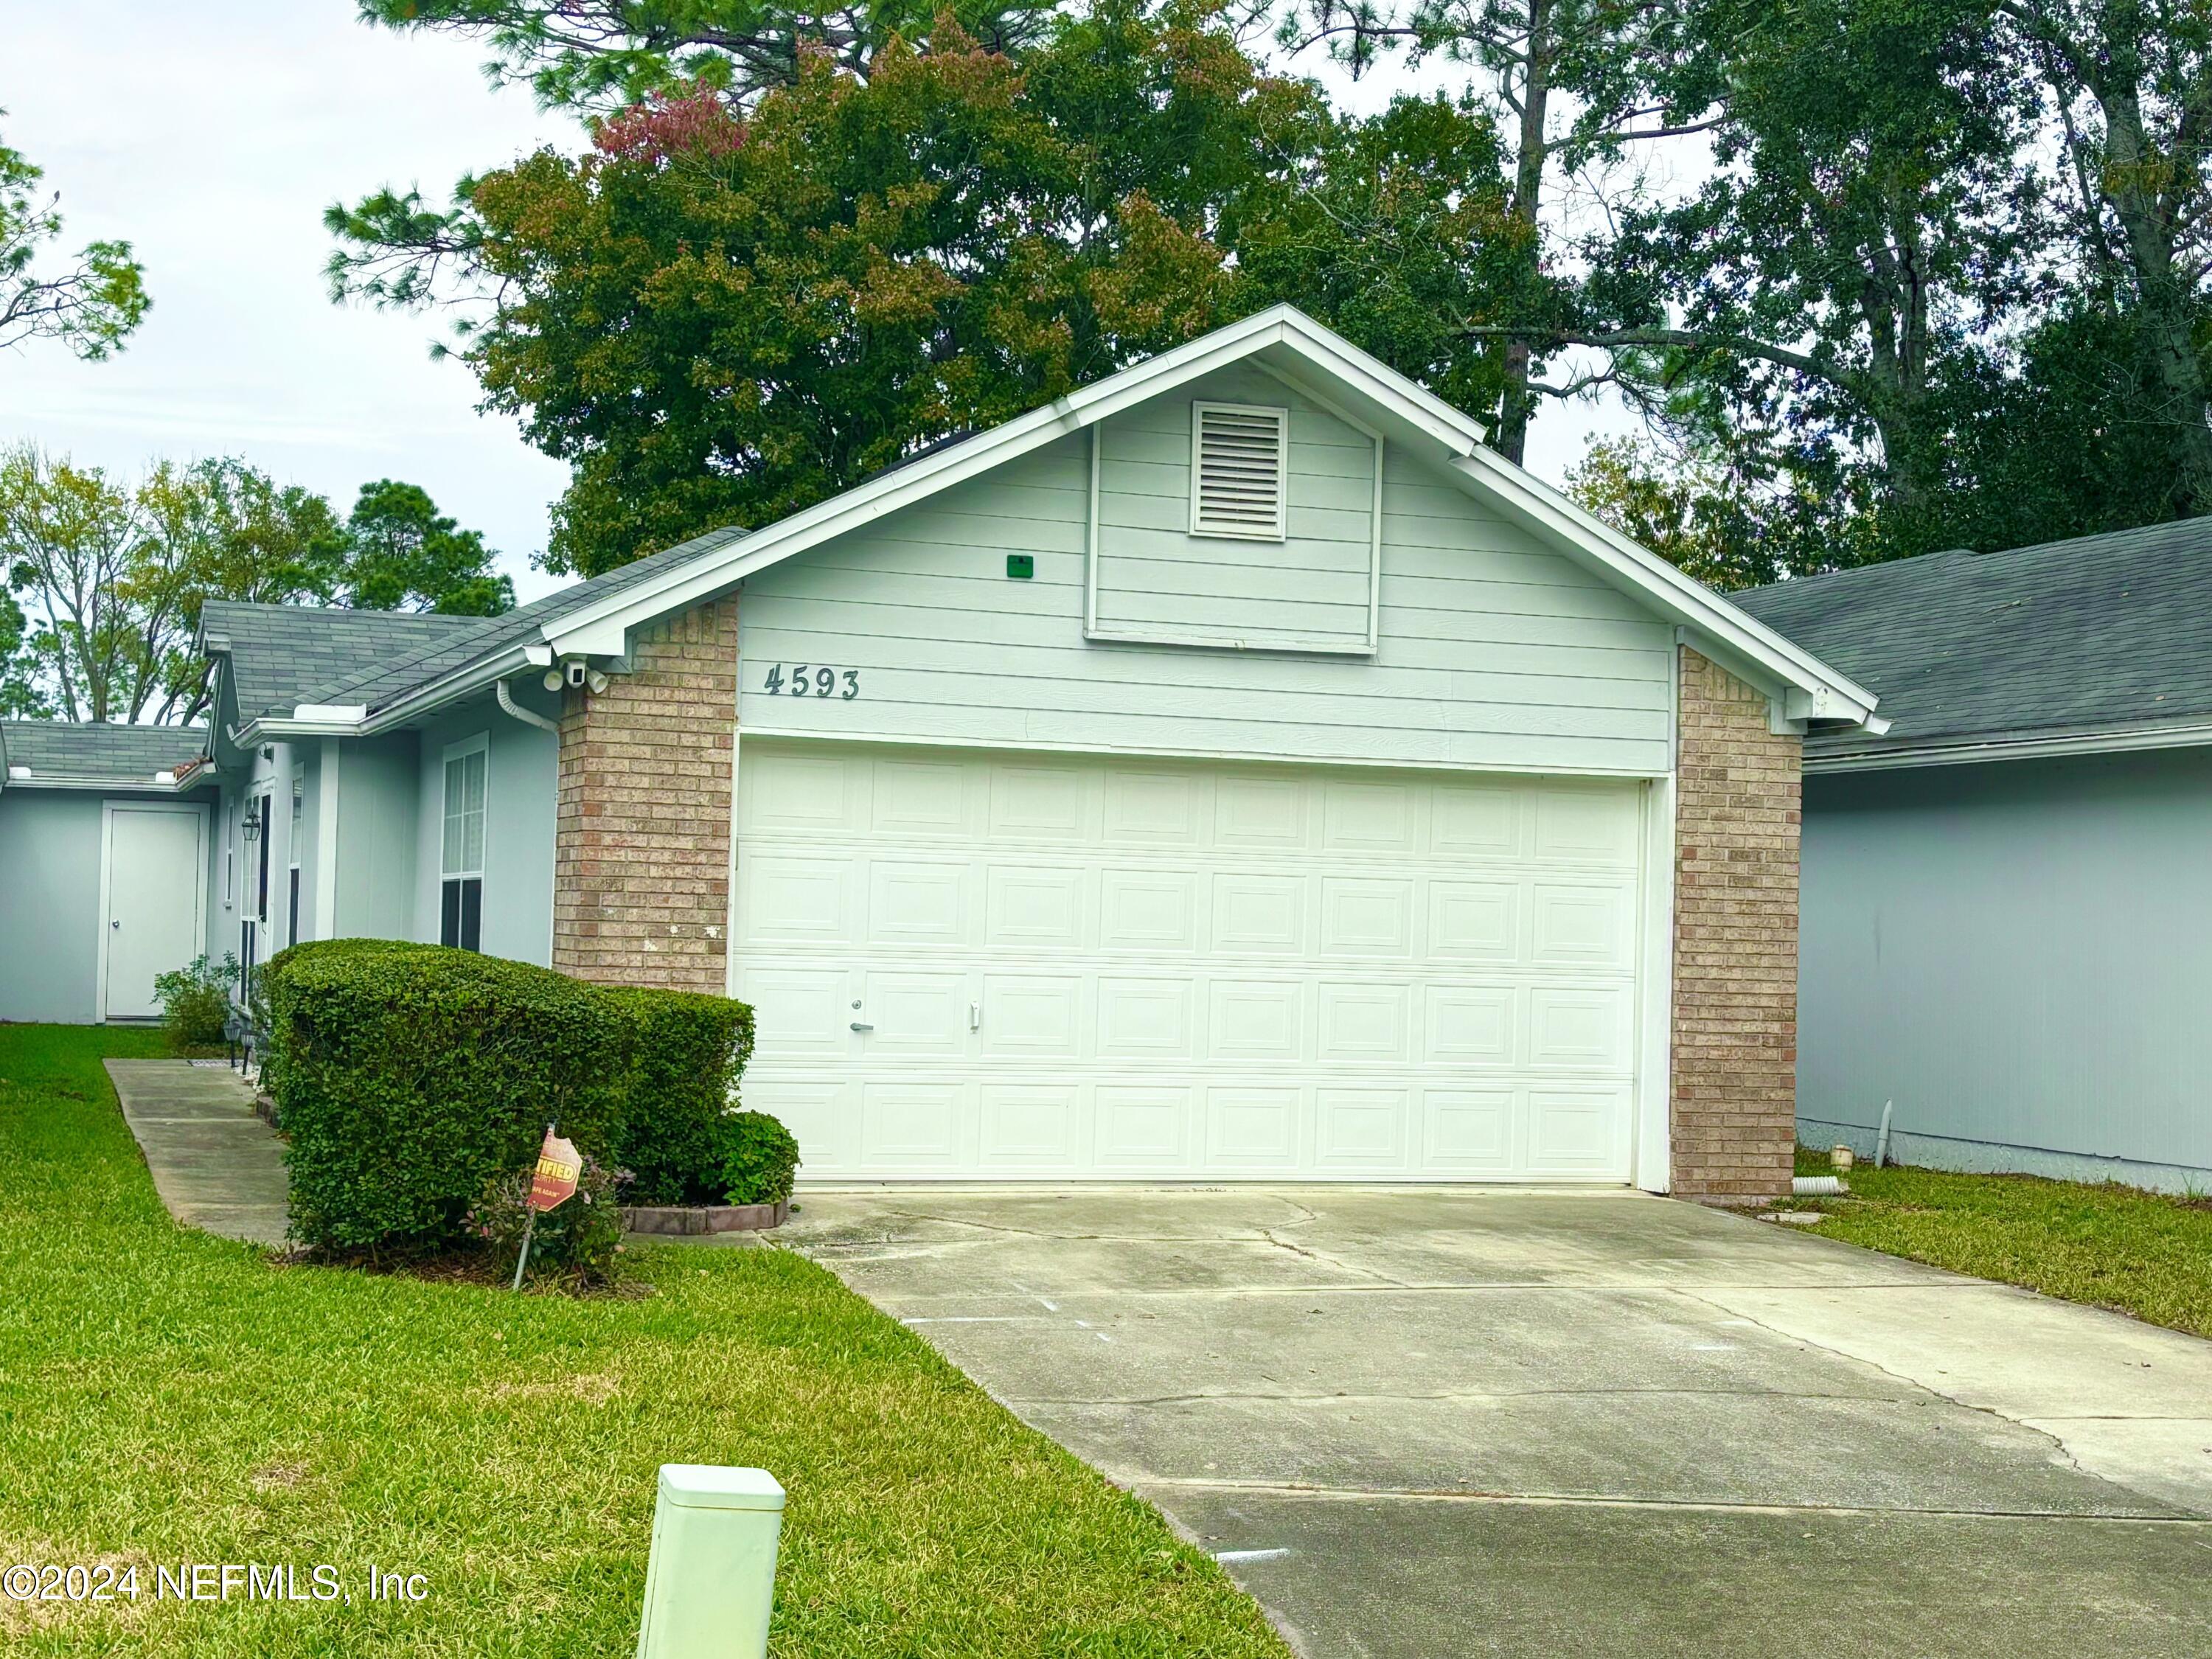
(642, 831)
(1736, 816)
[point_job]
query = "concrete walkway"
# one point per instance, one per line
(1432, 1422)
(217, 1165)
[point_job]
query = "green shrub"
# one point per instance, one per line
(576, 1243)
(196, 1000)
(686, 1053)
(411, 1077)
(759, 1158)
(260, 995)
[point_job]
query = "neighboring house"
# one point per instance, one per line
(2007, 913)
(1231, 770)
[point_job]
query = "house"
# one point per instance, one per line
(1229, 770)
(2007, 911)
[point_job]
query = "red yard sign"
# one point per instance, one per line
(554, 1181)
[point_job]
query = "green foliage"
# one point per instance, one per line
(793, 297)
(759, 1158)
(575, 1244)
(412, 1078)
(403, 553)
(92, 307)
(686, 1053)
(196, 1001)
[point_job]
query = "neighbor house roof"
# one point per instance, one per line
(595, 618)
(284, 657)
(281, 655)
(87, 754)
(2101, 641)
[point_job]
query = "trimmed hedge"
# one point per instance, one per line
(759, 1158)
(410, 1076)
(687, 1051)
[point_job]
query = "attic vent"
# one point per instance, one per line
(1239, 454)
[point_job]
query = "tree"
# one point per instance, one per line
(1560, 81)
(2130, 83)
(717, 315)
(116, 574)
(90, 305)
(401, 553)
(605, 55)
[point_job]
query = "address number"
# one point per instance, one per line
(812, 680)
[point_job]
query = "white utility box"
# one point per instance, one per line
(710, 1580)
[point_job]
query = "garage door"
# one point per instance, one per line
(993, 966)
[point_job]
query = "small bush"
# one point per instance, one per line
(575, 1243)
(196, 1000)
(411, 1077)
(686, 1053)
(759, 1158)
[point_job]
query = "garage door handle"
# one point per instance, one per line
(861, 1025)
(115, 921)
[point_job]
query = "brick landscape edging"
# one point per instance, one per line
(690, 1220)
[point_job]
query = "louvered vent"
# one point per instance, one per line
(1239, 455)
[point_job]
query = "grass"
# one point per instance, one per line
(167, 1397)
(2144, 1254)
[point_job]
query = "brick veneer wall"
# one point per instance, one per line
(641, 830)
(1736, 819)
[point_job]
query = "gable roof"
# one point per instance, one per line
(2097, 642)
(595, 618)
(92, 754)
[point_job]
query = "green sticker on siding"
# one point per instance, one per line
(1023, 565)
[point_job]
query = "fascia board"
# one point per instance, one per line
(1972, 752)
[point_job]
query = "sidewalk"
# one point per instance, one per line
(216, 1164)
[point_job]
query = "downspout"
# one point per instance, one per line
(526, 716)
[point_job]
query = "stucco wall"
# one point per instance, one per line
(518, 892)
(2017, 955)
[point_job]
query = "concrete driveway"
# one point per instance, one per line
(1425, 1422)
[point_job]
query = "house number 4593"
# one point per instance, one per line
(812, 680)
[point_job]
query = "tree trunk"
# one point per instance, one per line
(1516, 404)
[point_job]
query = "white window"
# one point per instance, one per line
(461, 860)
(1239, 463)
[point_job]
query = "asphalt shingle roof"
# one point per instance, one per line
(280, 655)
(2078, 635)
(285, 655)
(69, 749)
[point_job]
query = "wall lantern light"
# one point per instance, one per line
(250, 825)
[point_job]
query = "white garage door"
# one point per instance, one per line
(974, 965)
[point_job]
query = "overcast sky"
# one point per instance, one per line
(213, 140)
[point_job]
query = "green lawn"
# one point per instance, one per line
(168, 1397)
(2141, 1253)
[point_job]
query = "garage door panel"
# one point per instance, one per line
(1257, 914)
(1470, 1024)
(1363, 1023)
(1142, 1127)
(1254, 1021)
(1576, 1133)
(1253, 1129)
(1034, 908)
(911, 1126)
(1585, 1029)
(798, 1013)
(1031, 1127)
(1467, 1132)
(1583, 927)
(1148, 910)
(1360, 1129)
(912, 903)
(1146, 1019)
(1074, 966)
(1366, 918)
(1031, 1016)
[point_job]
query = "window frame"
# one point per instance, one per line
(460, 888)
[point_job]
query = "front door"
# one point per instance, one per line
(154, 920)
